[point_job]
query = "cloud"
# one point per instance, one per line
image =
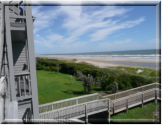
(101, 34)
(78, 23)
(95, 23)
(55, 38)
(43, 18)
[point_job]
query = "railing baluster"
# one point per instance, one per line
(29, 85)
(24, 85)
(19, 85)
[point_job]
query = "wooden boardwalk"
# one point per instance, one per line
(95, 103)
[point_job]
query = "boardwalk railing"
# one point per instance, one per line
(131, 91)
(91, 104)
(133, 100)
(67, 102)
(77, 111)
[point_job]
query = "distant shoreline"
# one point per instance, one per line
(110, 62)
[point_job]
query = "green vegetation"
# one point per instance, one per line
(126, 77)
(53, 86)
(137, 113)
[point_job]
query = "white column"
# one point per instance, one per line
(1, 109)
(86, 113)
(13, 110)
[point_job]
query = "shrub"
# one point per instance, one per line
(71, 78)
(53, 68)
(128, 85)
(114, 86)
(121, 86)
(74, 60)
(103, 76)
(48, 68)
(104, 81)
(88, 83)
(79, 75)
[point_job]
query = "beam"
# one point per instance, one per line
(9, 52)
(32, 63)
(159, 47)
(103, 3)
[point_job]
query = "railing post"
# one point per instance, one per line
(127, 106)
(108, 111)
(86, 114)
(142, 99)
(155, 96)
(58, 116)
(77, 101)
(113, 107)
(115, 96)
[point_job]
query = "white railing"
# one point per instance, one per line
(131, 91)
(67, 102)
(133, 100)
(76, 111)
(91, 104)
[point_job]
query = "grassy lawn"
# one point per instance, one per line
(54, 86)
(57, 86)
(137, 114)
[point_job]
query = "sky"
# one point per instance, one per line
(77, 29)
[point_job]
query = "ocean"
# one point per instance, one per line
(132, 54)
(149, 54)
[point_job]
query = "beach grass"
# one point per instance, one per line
(53, 86)
(131, 70)
(138, 114)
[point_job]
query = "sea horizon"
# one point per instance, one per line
(149, 53)
(129, 52)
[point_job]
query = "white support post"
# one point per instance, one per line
(1, 109)
(113, 107)
(77, 101)
(127, 106)
(86, 114)
(155, 96)
(142, 99)
(58, 116)
(108, 111)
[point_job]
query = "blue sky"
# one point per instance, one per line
(76, 29)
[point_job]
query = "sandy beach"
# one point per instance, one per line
(110, 62)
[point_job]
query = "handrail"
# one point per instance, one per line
(139, 93)
(129, 90)
(72, 110)
(74, 106)
(68, 99)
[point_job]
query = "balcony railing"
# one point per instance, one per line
(23, 86)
